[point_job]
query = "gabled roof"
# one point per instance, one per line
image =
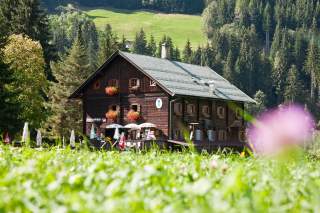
(178, 78)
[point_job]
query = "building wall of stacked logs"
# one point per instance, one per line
(122, 94)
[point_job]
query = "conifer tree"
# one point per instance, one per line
(228, 69)
(152, 47)
(267, 24)
(140, 43)
(69, 73)
(123, 44)
(108, 44)
(196, 56)
(187, 52)
(293, 86)
(312, 67)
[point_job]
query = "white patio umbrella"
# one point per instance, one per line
(132, 126)
(72, 139)
(25, 132)
(39, 138)
(114, 126)
(147, 125)
(92, 132)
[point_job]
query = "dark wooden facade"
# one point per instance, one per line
(172, 119)
(97, 103)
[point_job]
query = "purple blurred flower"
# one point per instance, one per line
(279, 128)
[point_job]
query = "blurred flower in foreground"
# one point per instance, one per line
(279, 129)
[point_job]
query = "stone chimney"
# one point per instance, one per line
(165, 54)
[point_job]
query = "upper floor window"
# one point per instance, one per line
(97, 85)
(178, 108)
(191, 109)
(113, 83)
(206, 111)
(134, 83)
(239, 113)
(153, 83)
(221, 112)
(135, 107)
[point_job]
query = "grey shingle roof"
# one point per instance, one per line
(186, 79)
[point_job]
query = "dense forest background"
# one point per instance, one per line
(268, 48)
(169, 6)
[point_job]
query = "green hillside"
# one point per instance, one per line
(179, 27)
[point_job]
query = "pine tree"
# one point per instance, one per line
(187, 52)
(123, 44)
(69, 74)
(108, 44)
(267, 24)
(196, 56)
(207, 56)
(312, 67)
(152, 47)
(228, 69)
(140, 43)
(260, 105)
(293, 87)
(176, 55)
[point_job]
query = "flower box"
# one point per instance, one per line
(112, 115)
(133, 115)
(111, 91)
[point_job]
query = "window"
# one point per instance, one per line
(239, 114)
(96, 85)
(135, 107)
(178, 108)
(114, 108)
(113, 83)
(177, 134)
(221, 112)
(222, 135)
(191, 109)
(153, 83)
(134, 83)
(242, 136)
(206, 111)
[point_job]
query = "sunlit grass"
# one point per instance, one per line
(180, 27)
(156, 181)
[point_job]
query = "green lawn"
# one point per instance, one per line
(179, 27)
(83, 181)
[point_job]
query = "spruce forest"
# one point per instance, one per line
(270, 49)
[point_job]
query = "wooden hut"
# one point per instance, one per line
(178, 98)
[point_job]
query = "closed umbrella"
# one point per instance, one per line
(72, 140)
(116, 134)
(25, 132)
(147, 125)
(92, 132)
(39, 138)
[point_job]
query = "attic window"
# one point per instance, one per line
(153, 83)
(97, 85)
(134, 83)
(113, 83)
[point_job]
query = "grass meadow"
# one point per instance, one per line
(64, 180)
(178, 26)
